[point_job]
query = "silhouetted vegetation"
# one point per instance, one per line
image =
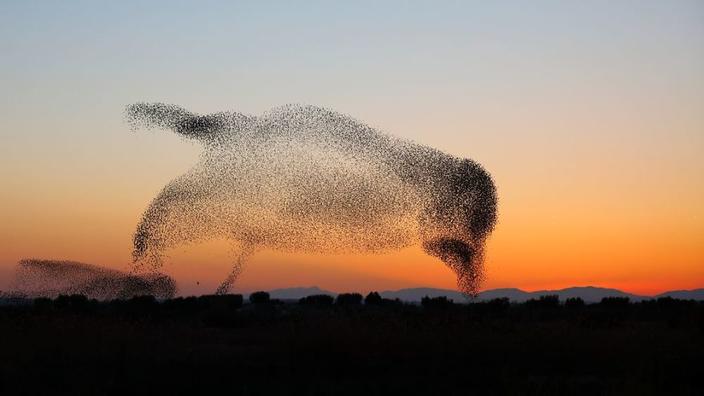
(317, 300)
(230, 301)
(373, 298)
(543, 302)
(615, 302)
(574, 303)
(350, 345)
(441, 302)
(259, 297)
(349, 299)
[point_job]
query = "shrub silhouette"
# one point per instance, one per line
(547, 301)
(574, 303)
(615, 302)
(373, 298)
(222, 301)
(436, 302)
(669, 303)
(316, 299)
(259, 297)
(391, 302)
(349, 299)
(496, 306)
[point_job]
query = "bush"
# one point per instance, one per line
(574, 303)
(615, 302)
(669, 303)
(391, 302)
(259, 297)
(436, 302)
(495, 306)
(373, 298)
(348, 299)
(547, 301)
(316, 299)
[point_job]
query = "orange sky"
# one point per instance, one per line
(589, 117)
(541, 242)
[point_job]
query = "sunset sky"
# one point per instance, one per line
(588, 114)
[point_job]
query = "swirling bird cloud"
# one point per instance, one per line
(51, 278)
(308, 179)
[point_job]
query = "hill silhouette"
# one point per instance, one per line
(696, 294)
(589, 294)
(295, 293)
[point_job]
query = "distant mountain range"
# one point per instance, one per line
(587, 293)
(296, 293)
(696, 294)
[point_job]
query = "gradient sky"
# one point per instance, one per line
(589, 115)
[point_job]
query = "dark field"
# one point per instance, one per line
(215, 344)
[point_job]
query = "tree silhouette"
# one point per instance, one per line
(574, 303)
(316, 299)
(436, 302)
(615, 302)
(259, 297)
(547, 301)
(373, 298)
(348, 299)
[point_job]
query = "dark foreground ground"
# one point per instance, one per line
(214, 344)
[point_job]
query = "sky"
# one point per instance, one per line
(588, 114)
